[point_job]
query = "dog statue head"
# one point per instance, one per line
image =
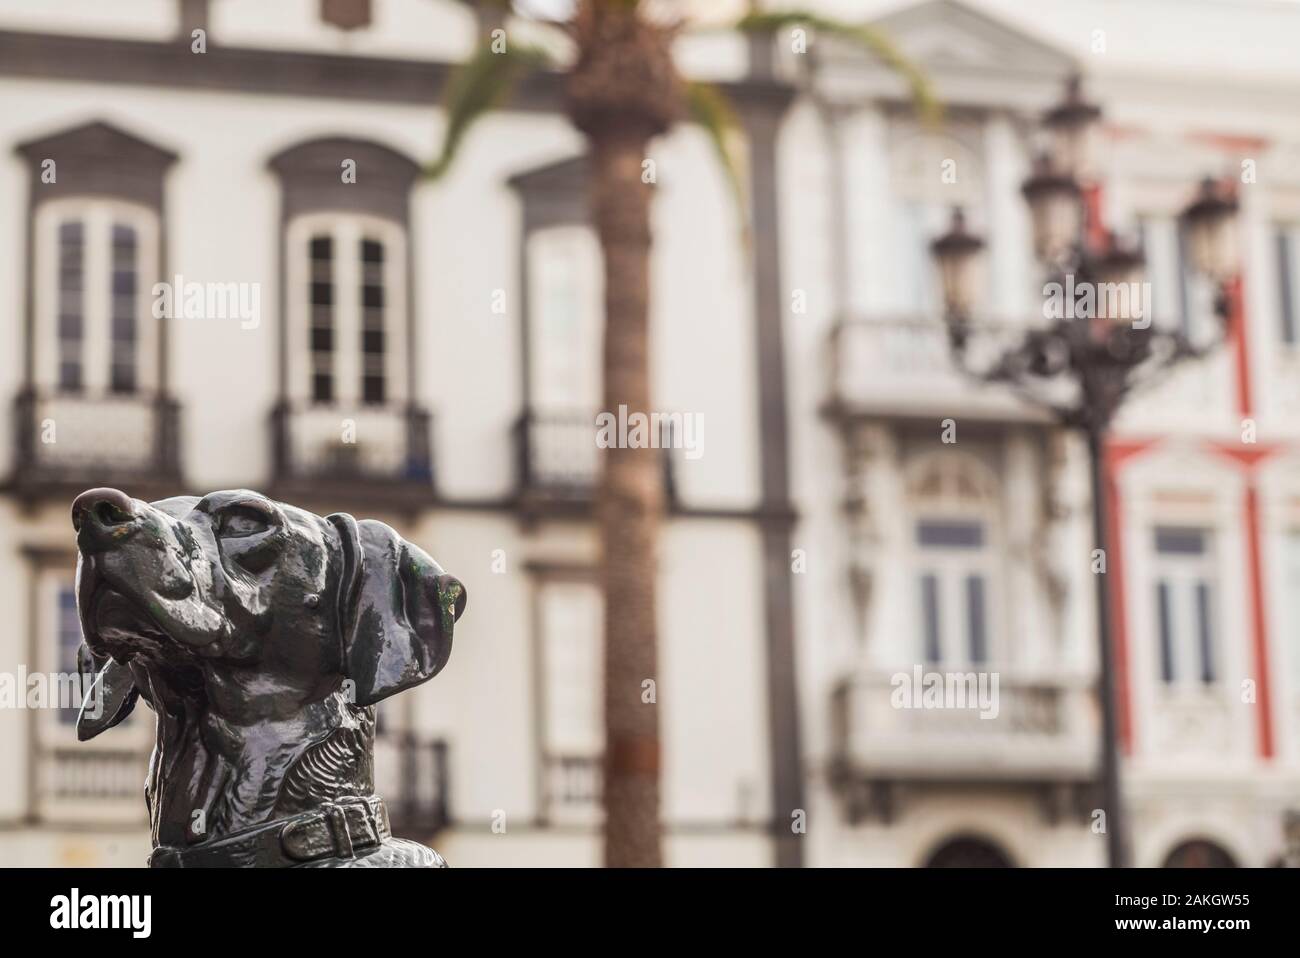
(262, 636)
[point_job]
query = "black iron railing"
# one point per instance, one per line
(351, 442)
(99, 438)
(573, 781)
(557, 457)
(417, 802)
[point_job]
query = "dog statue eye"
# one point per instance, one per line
(244, 522)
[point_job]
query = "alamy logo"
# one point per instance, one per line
(102, 911)
(50, 690)
(656, 430)
(946, 690)
(182, 300)
(1119, 302)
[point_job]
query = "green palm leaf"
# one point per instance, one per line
(862, 35)
(477, 86)
(713, 112)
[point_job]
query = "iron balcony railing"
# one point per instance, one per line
(346, 443)
(411, 775)
(558, 460)
(95, 438)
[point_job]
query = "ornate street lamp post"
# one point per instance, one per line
(1091, 353)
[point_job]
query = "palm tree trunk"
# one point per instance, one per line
(623, 90)
(629, 503)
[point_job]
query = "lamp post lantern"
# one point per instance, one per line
(1054, 208)
(1073, 127)
(958, 255)
(1082, 364)
(1210, 222)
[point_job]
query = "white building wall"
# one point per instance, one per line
(222, 225)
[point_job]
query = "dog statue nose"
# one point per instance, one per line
(449, 587)
(103, 508)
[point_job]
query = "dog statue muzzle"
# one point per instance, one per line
(262, 636)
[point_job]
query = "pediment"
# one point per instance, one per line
(100, 141)
(968, 57)
(946, 33)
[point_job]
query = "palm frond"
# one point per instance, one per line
(479, 84)
(713, 112)
(863, 36)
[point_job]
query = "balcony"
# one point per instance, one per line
(90, 784)
(900, 368)
(411, 777)
(571, 788)
(67, 441)
(1044, 733)
(558, 461)
(352, 457)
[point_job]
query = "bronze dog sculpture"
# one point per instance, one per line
(261, 635)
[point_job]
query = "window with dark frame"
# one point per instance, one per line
(373, 344)
(352, 236)
(69, 641)
(570, 662)
(95, 257)
(71, 304)
(953, 591)
(930, 615)
(321, 300)
(122, 370)
(1185, 606)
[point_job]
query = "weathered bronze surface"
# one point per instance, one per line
(262, 636)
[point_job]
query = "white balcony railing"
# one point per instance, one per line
(902, 367)
(1037, 730)
(90, 784)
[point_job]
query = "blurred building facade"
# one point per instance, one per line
(975, 554)
(428, 354)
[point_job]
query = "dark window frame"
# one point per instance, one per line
(311, 176)
(95, 161)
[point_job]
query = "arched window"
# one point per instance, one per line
(347, 310)
(97, 200)
(1199, 853)
(345, 208)
(94, 398)
(561, 330)
(95, 330)
(968, 851)
(952, 500)
(566, 309)
(347, 393)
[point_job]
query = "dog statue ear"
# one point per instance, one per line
(110, 693)
(397, 610)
